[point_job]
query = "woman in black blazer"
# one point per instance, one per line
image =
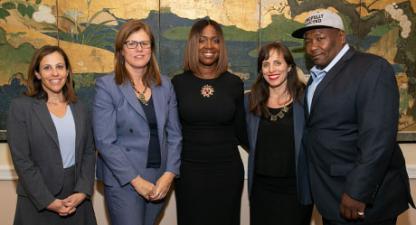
(51, 143)
(277, 171)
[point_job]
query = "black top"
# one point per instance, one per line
(212, 116)
(153, 158)
(275, 148)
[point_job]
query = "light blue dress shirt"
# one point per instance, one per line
(318, 75)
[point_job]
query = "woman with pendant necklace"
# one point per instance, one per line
(211, 109)
(136, 129)
(278, 180)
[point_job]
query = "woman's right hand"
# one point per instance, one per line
(59, 207)
(143, 187)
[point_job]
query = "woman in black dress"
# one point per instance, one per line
(51, 144)
(277, 171)
(210, 104)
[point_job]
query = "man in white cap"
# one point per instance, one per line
(357, 170)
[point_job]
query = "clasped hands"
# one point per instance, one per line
(67, 206)
(153, 192)
(351, 209)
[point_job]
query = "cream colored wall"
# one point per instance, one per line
(8, 196)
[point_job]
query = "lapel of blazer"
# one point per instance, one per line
(298, 121)
(254, 121)
(78, 125)
(131, 98)
(252, 125)
(42, 112)
(160, 107)
(330, 76)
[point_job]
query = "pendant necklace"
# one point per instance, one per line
(140, 95)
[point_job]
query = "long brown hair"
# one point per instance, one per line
(34, 85)
(152, 74)
(191, 59)
(260, 90)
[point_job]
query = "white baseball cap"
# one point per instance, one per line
(319, 19)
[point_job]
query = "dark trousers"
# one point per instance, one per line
(384, 222)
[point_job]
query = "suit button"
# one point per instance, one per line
(127, 150)
(131, 130)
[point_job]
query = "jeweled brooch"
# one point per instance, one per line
(207, 91)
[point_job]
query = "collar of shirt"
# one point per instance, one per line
(319, 73)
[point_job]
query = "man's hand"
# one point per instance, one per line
(143, 187)
(350, 208)
(162, 186)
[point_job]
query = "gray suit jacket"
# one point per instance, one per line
(302, 176)
(122, 133)
(34, 147)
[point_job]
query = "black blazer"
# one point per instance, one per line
(350, 138)
(34, 147)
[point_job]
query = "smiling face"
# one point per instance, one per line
(208, 47)
(139, 57)
(322, 45)
(52, 73)
(275, 69)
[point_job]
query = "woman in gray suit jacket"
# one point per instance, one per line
(278, 180)
(136, 128)
(51, 144)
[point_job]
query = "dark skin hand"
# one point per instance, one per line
(350, 208)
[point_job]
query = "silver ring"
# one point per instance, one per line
(360, 213)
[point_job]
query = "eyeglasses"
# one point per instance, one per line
(133, 44)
